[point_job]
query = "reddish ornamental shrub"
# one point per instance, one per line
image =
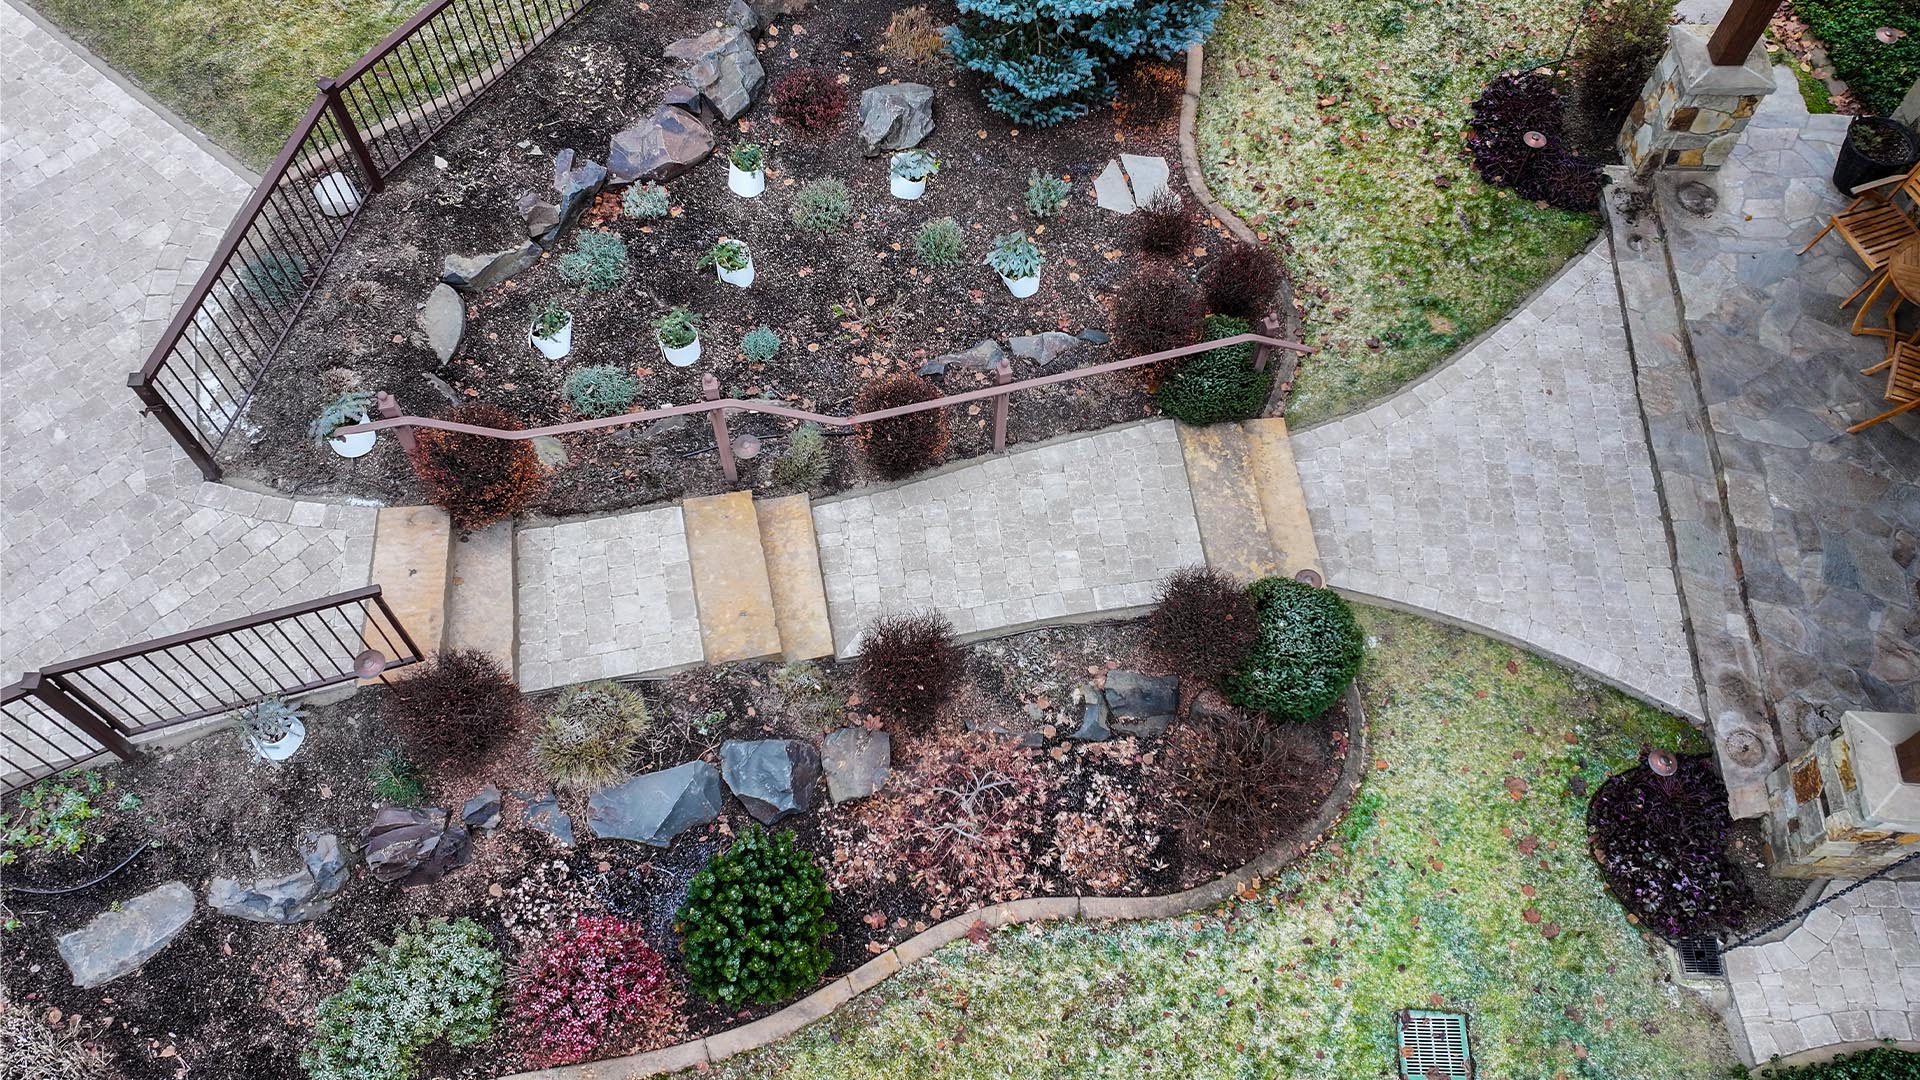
(1243, 280)
(1158, 309)
(809, 99)
(478, 480)
(900, 446)
(1163, 226)
(458, 704)
(1204, 624)
(909, 666)
(598, 985)
(1661, 842)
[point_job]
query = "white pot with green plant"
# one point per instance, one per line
(746, 170)
(272, 727)
(552, 331)
(731, 261)
(1018, 261)
(349, 408)
(678, 332)
(907, 175)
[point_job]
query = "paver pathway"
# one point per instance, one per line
(1512, 491)
(109, 536)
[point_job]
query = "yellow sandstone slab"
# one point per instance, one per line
(410, 556)
(1226, 502)
(480, 613)
(793, 569)
(730, 586)
(1283, 502)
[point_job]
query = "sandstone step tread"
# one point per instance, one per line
(1283, 502)
(793, 569)
(1226, 502)
(480, 596)
(731, 589)
(410, 555)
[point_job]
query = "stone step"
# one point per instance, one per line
(793, 569)
(410, 553)
(480, 612)
(1283, 502)
(1226, 502)
(731, 589)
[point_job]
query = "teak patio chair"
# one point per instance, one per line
(1874, 225)
(1902, 366)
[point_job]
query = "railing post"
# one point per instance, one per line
(156, 406)
(710, 386)
(50, 693)
(338, 107)
(1269, 327)
(1002, 375)
(389, 408)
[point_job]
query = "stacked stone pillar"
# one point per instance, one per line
(1692, 111)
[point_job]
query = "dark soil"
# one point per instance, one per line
(234, 1000)
(606, 72)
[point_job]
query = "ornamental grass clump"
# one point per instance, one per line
(601, 390)
(1305, 656)
(754, 925)
(909, 666)
(598, 262)
(594, 989)
(1661, 843)
(439, 980)
(1218, 386)
(590, 734)
(899, 446)
(823, 207)
(458, 705)
(1203, 624)
(939, 243)
(805, 463)
(476, 479)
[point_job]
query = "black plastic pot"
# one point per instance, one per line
(1876, 147)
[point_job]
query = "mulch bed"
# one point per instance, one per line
(604, 73)
(235, 999)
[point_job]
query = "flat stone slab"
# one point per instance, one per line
(410, 557)
(730, 583)
(1283, 502)
(544, 813)
(793, 572)
(118, 942)
(1044, 347)
(1233, 530)
(855, 760)
(444, 318)
(658, 806)
(480, 609)
(1110, 190)
(1148, 176)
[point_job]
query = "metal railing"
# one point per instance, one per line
(201, 376)
(715, 406)
(72, 712)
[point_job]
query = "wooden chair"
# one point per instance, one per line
(1874, 225)
(1902, 366)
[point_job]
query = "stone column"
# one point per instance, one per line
(1692, 111)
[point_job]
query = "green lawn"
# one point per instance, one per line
(1337, 124)
(240, 70)
(1424, 894)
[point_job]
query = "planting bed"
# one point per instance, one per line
(847, 308)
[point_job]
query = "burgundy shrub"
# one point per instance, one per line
(1661, 843)
(595, 989)
(809, 99)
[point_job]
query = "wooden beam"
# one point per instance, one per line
(1739, 31)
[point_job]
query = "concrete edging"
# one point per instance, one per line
(823, 1002)
(1190, 150)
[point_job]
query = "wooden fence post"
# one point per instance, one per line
(389, 408)
(710, 386)
(1002, 375)
(338, 106)
(55, 697)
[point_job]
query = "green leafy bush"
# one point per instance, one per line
(678, 328)
(1306, 654)
(754, 921)
(823, 207)
(1879, 1063)
(397, 780)
(1046, 195)
(759, 344)
(274, 279)
(53, 814)
(939, 243)
(645, 201)
(590, 734)
(1218, 386)
(1878, 72)
(602, 390)
(598, 261)
(805, 462)
(438, 980)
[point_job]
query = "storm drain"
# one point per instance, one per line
(1700, 957)
(1433, 1046)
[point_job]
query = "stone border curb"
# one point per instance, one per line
(1190, 150)
(827, 999)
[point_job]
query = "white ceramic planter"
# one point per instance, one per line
(282, 748)
(742, 277)
(1022, 288)
(336, 195)
(684, 356)
(555, 347)
(358, 444)
(906, 189)
(747, 185)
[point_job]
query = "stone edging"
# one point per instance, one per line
(822, 1003)
(1190, 150)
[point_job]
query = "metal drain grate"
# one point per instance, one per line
(1433, 1046)
(1700, 956)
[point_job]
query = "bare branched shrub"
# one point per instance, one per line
(1203, 625)
(1234, 783)
(909, 666)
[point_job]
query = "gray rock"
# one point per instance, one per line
(1110, 190)
(1093, 716)
(1093, 335)
(1143, 726)
(1033, 740)
(444, 318)
(658, 806)
(117, 942)
(325, 861)
(741, 14)
(722, 66)
(1043, 347)
(478, 273)
(895, 117)
(542, 218)
(855, 760)
(575, 182)
(550, 450)
(544, 814)
(301, 896)
(415, 847)
(441, 387)
(1141, 704)
(687, 99)
(772, 777)
(660, 148)
(984, 356)
(483, 810)
(1148, 175)
(767, 11)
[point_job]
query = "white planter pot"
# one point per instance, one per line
(555, 347)
(742, 277)
(747, 185)
(336, 195)
(282, 748)
(1022, 288)
(684, 356)
(358, 444)
(906, 189)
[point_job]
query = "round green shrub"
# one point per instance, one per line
(1218, 386)
(823, 206)
(754, 921)
(602, 390)
(1306, 653)
(759, 344)
(598, 261)
(939, 243)
(438, 980)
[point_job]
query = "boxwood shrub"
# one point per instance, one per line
(438, 980)
(1879, 1063)
(754, 922)
(1218, 386)
(1661, 843)
(1305, 655)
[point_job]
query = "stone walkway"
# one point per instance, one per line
(1512, 491)
(109, 536)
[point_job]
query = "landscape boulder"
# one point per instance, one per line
(118, 941)
(444, 318)
(741, 14)
(1093, 715)
(478, 273)
(722, 66)
(544, 813)
(687, 99)
(575, 183)
(415, 847)
(895, 117)
(303, 895)
(984, 356)
(1043, 347)
(483, 810)
(657, 806)
(855, 760)
(1141, 704)
(659, 148)
(772, 777)
(767, 11)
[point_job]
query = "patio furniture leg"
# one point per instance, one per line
(1816, 238)
(1874, 278)
(1888, 415)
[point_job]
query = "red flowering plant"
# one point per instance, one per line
(597, 988)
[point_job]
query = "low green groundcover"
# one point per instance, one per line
(1878, 72)
(1879, 1063)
